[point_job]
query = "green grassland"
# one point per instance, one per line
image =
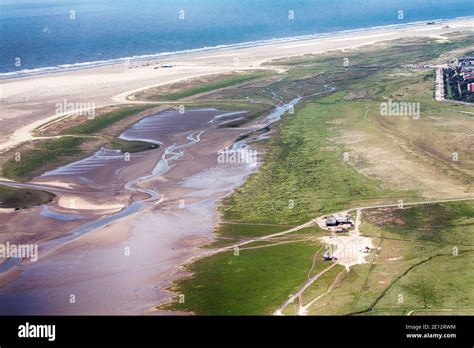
(48, 152)
(255, 282)
(429, 223)
(438, 245)
(304, 176)
(305, 163)
(442, 283)
(318, 288)
(304, 168)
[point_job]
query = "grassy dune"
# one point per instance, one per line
(95, 125)
(48, 152)
(219, 83)
(12, 197)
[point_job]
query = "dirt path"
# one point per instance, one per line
(303, 309)
(439, 85)
(302, 289)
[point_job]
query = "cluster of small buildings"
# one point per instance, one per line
(334, 221)
(466, 69)
(459, 77)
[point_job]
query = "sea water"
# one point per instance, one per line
(38, 36)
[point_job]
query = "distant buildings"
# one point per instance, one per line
(459, 78)
(467, 60)
(466, 65)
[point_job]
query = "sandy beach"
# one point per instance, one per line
(117, 232)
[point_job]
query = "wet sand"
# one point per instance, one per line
(123, 266)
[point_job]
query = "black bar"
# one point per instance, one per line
(332, 331)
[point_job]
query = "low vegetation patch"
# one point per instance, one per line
(12, 197)
(48, 152)
(253, 283)
(97, 124)
(202, 87)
